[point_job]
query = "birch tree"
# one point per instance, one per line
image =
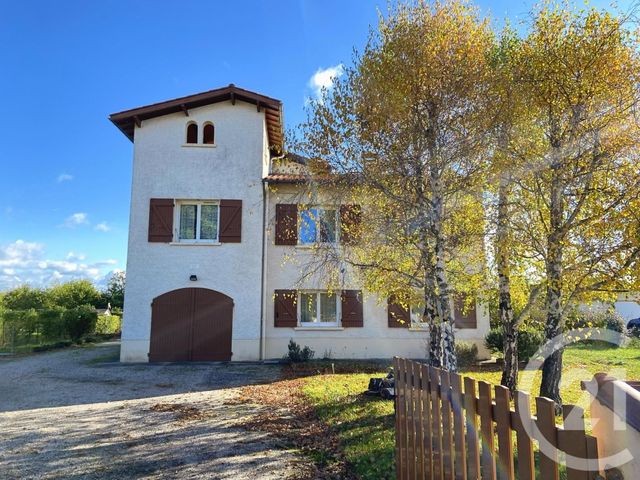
(579, 73)
(517, 288)
(405, 132)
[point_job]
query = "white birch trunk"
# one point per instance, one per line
(507, 321)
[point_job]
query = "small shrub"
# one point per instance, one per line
(80, 321)
(466, 353)
(529, 341)
(634, 342)
(615, 322)
(297, 354)
(108, 324)
(600, 321)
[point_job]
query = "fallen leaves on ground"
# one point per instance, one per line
(183, 411)
(292, 418)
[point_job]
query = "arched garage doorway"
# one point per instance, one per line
(191, 324)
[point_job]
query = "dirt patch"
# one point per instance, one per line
(291, 418)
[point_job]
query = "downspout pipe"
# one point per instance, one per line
(263, 294)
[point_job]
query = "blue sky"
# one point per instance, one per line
(65, 66)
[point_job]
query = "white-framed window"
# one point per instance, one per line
(197, 221)
(317, 224)
(416, 314)
(318, 308)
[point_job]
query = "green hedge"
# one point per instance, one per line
(52, 326)
(108, 324)
(529, 341)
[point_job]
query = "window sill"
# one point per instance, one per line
(419, 328)
(200, 145)
(195, 244)
(328, 328)
(311, 246)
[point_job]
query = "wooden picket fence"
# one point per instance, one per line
(445, 431)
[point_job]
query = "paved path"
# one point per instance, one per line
(78, 414)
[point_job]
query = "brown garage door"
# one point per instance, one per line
(191, 324)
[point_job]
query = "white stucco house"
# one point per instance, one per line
(213, 222)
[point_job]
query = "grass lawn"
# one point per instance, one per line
(365, 425)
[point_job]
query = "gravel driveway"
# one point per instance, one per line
(78, 413)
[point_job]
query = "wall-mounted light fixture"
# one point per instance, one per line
(193, 278)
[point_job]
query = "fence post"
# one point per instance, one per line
(447, 424)
(458, 427)
(503, 426)
(523, 424)
(485, 409)
(400, 413)
(436, 422)
(470, 407)
(546, 414)
(411, 434)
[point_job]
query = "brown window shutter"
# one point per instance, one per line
(161, 220)
(350, 223)
(285, 308)
(352, 308)
(230, 221)
(397, 315)
(286, 224)
(464, 318)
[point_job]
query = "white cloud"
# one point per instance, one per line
(76, 219)
(19, 251)
(324, 78)
(25, 262)
(102, 227)
(64, 177)
(73, 256)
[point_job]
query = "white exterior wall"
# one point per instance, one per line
(374, 340)
(164, 167)
(232, 169)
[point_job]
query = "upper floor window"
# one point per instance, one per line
(317, 225)
(208, 134)
(198, 222)
(192, 133)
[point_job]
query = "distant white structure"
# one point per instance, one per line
(628, 306)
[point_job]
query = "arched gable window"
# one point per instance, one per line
(208, 134)
(192, 133)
